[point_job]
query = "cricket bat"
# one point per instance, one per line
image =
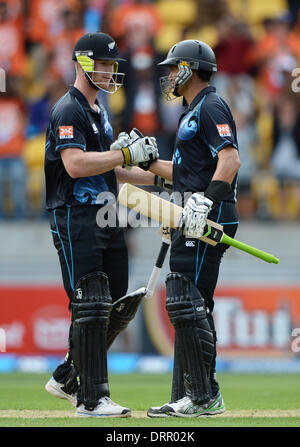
(167, 213)
(148, 291)
(153, 280)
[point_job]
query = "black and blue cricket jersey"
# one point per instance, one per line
(205, 128)
(74, 124)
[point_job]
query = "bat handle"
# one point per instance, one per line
(157, 268)
(162, 253)
(249, 249)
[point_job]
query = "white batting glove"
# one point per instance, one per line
(140, 150)
(194, 215)
(135, 134)
(123, 140)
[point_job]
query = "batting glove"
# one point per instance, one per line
(123, 140)
(134, 134)
(140, 150)
(194, 215)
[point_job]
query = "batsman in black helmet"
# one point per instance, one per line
(82, 165)
(204, 167)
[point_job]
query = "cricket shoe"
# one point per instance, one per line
(160, 412)
(56, 389)
(185, 408)
(105, 408)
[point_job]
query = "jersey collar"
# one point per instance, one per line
(200, 95)
(82, 99)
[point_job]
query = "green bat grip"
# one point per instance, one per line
(247, 248)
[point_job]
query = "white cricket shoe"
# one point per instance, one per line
(105, 408)
(162, 411)
(55, 388)
(185, 408)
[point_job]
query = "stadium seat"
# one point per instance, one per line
(254, 11)
(206, 33)
(179, 12)
(170, 34)
(34, 158)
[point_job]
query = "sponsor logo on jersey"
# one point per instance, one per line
(190, 244)
(66, 132)
(95, 128)
(224, 130)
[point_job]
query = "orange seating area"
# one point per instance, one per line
(257, 45)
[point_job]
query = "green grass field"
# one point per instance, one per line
(251, 401)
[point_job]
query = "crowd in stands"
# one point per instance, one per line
(257, 45)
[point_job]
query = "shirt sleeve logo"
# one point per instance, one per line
(224, 130)
(65, 132)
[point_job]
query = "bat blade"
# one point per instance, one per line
(161, 210)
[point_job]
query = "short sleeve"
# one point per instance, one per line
(217, 127)
(68, 129)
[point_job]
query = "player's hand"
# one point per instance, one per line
(140, 150)
(135, 133)
(194, 215)
(123, 140)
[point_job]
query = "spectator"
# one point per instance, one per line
(12, 139)
(237, 87)
(60, 46)
(285, 159)
(93, 16)
(46, 19)
(210, 12)
(143, 101)
(12, 49)
(294, 7)
(126, 18)
(253, 76)
(234, 42)
(277, 52)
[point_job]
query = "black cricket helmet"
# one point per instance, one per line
(187, 55)
(92, 47)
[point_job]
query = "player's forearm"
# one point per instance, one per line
(163, 168)
(93, 163)
(135, 175)
(227, 167)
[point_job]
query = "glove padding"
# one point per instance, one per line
(194, 215)
(140, 150)
(145, 165)
(137, 149)
(123, 140)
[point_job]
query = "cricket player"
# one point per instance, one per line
(82, 166)
(205, 164)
